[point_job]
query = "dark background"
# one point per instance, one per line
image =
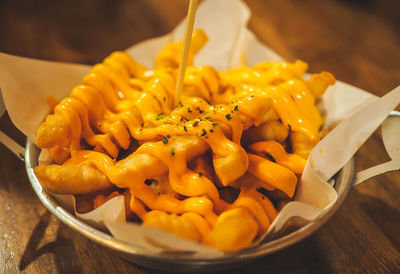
(358, 41)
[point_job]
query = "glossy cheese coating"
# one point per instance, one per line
(203, 169)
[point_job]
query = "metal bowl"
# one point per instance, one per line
(184, 262)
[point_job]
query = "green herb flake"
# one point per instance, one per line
(165, 140)
(270, 157)
(185, 128)
(211, 130)
(149, 182)
(236, 108)
(200, 174)
(228, 117)
(180, 103)
(214, 124)
(204, 132)
(189, 110)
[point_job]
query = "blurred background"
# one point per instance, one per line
(357, 40)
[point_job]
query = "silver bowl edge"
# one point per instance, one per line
(184, 262)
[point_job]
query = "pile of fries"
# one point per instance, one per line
(216, 168)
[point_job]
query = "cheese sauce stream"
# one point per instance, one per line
(119, 100)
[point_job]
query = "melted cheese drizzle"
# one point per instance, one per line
(120, 100)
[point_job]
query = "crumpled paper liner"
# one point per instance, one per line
(26, 83)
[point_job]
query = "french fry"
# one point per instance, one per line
(215, 169)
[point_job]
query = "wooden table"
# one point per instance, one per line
(358, 41)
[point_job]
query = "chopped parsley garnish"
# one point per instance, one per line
(204, 132)
(228, 117)
(200, 110)
(189, 110)
(165, 140)
(168, 136)
(150, 182)
(185, 128)
(211, 130)
(236, 108)
(214, 124)
(200, 174)
(270, 157)
(180, 103)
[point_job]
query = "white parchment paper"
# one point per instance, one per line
(26, 83)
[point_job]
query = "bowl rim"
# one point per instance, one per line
(344, 181)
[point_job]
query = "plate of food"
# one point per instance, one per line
(241, 166)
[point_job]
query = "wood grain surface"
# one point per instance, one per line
(358, 41)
